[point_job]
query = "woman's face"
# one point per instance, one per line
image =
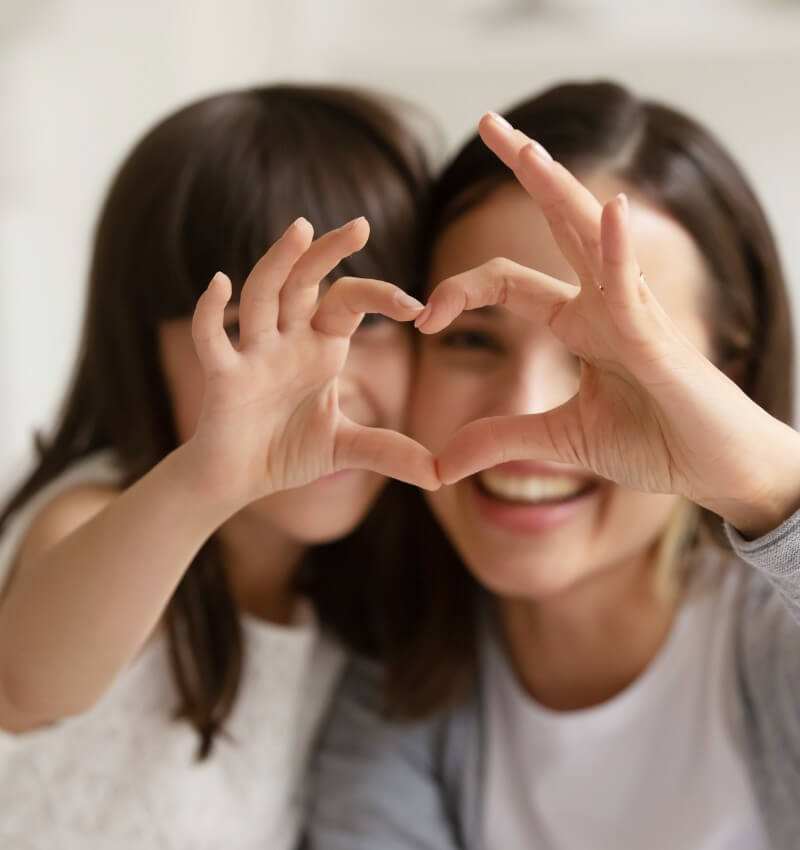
(373, 390)
(529, 529)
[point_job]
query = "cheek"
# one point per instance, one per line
(321, 511)
(384, 371)
(628, 525)
(633, 517)
(442, 400)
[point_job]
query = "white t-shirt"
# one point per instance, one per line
(124, 774)
(655, 768)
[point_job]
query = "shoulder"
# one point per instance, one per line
(58, 509)
(62, 515)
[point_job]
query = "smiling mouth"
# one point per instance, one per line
(531, 490)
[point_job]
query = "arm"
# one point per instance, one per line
(767, 673)
(377, 783)
(94, 576)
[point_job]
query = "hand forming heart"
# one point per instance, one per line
(270, 418)
(651, 412)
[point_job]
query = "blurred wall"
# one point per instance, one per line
(80, 80)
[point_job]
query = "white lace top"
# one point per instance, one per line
(124, 775)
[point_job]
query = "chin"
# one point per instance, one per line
(526, 577)
(322, 512)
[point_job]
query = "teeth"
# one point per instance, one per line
(531, 488)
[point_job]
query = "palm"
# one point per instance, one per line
(647, 413)
(278, 413)
(270, 418)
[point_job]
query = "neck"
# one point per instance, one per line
(260, 562)
(586, 644)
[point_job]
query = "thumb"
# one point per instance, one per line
(488, 442)
(386, 452)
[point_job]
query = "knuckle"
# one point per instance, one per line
(497, 267)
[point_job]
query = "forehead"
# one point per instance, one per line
(509, 224)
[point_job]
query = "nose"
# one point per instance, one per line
(350, 392)
(541, 376)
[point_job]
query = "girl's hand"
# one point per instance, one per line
(270, 418)
(651, 413)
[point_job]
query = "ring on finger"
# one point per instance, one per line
(642, 281)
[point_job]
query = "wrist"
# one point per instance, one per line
(772, 492)
(197, 485)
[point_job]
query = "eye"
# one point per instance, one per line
(376, 327)
(372, 319)
(466, 339)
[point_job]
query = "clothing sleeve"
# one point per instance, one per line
(776, 556)
(376, 782)
(767, 659)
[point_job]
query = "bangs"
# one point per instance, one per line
(256, 164)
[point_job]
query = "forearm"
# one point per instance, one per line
(76, 615)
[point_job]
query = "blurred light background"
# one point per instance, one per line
(80, 80)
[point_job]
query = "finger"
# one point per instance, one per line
(504, 140)
(213, 347)
(259, 303)
(343, 307)
(484, 443)
(298, 298)
(565, 202)
(574, 225)
(634, 307)
(621, 274)
(527, 292)
(386, 452)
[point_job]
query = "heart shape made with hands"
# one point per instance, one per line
(651, 412)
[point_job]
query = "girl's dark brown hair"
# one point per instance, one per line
(210, 188)
(429, 642)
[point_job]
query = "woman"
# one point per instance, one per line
(600, 674)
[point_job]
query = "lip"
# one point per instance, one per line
(522, 518)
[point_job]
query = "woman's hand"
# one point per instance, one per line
(270, 418)
(651, 413)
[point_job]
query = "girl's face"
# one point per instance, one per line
(531, 529)
(373, 390)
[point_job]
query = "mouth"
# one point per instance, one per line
(531, 489)
(521, 497)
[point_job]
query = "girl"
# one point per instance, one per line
(147, 563)
(603, 676)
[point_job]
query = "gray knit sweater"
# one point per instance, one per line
(382, 786)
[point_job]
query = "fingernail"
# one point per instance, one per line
(351, 224)
(623, 202)
(406, 300)
(423, 316)
(498, 119)
(217, 279)
(297, 222)
(540, 150)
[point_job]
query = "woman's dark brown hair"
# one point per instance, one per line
(210, 188)
(423, 607)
